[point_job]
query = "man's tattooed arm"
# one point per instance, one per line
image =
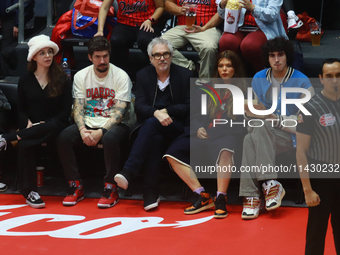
(78, 112)
(118, 114)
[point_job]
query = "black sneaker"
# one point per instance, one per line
(220, 206)
(151, 200)
(3, 187)
(34, 200)
(123, 178)
(203, 202)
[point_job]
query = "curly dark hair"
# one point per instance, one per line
(98, 43)
(278, 44)
(56, 77)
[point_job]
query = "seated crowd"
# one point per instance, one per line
(159, 117)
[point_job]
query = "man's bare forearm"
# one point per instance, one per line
(118, 114)
(78, 109)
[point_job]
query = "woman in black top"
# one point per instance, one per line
(44, 107)
(215, 145)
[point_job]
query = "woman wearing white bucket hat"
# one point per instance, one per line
(44, 107)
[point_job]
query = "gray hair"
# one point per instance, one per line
(159, 40)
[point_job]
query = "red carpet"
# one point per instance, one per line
(128, 229)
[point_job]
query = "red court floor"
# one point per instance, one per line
(128, 229)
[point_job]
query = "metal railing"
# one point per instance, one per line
(21, 18)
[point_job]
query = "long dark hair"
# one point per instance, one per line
(56, 77)
(238, 73)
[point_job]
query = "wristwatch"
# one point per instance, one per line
(104, 130)
(152, 19)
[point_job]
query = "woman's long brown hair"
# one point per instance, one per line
(237, 80)
(56, 77)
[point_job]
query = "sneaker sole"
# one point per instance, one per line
(35, 206)
(216, 216)
(249, 217)
(121, 181)
(297, 25)
(73, 203)
(4, 189)
(201, 209)
(279, 203)
(152, 206)
(107, 205)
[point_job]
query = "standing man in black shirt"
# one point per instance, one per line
(318, 159)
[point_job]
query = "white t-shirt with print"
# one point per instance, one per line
(100, 94)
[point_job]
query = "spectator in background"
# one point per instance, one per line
(259, 21)
(44, 107)
(205, 43)
(102, 94)
(215, 144)
(162, 107)
(4, 123)
(270, 137)
(318, 147)
(293, 21)
(9, 32)
(137, 21)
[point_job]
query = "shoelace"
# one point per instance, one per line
(107, 192)
(272, 192)
(251, 203)
(267, 187)
(33, 195)
(72, 190)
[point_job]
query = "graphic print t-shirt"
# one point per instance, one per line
(101, 94)
(134, 13)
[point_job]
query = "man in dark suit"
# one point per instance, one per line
(162, 106)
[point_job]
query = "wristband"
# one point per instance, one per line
(152, 19)
(104, 130)
(81, 128)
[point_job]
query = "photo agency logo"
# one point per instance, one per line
(254, 109)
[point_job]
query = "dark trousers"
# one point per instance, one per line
(113, 141)
(4, 123)
(318, 216)
(31, 139)
(149, 147)
(8, 58)
(123, 36)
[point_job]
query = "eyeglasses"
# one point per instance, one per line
(165, 55)
(43, 53)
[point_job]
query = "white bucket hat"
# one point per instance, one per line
(39, 42)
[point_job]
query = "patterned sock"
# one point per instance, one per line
(217, 194)
(199, 190)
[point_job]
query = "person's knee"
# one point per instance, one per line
(226, 155)
(209, 48)
(65, 137)
(115, 137)
(228, 42)
(152, 122)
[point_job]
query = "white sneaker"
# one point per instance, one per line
(3, 187)
(251, 208)
(3, 143)
(293, 21)
(273, 193)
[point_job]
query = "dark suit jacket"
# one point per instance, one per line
(146, 87)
